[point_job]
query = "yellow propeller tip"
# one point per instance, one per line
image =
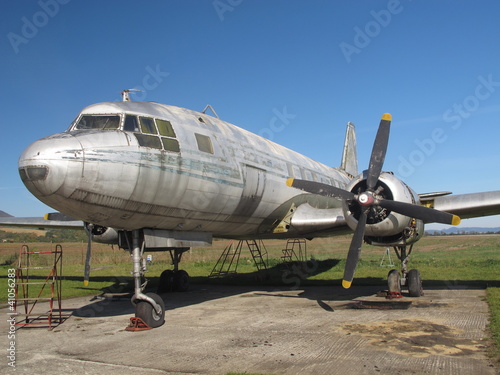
(46, 217)
(85, 283)
(289, 182)
(387, 117)
(346, 284)
(455, 220)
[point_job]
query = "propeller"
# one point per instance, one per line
(86, 272)
(368, 199)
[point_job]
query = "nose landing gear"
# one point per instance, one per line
(148, 307)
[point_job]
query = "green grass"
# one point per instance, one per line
(494, 303)
(449, 261)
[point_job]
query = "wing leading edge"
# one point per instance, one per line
(39, 223)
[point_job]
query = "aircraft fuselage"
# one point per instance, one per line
(132, 165)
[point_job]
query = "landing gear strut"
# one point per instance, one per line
(149, 307)
(411, 279)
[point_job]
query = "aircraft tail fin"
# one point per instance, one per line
(350, 155)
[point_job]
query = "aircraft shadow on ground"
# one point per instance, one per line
(285, 280)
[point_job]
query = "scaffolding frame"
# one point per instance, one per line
(230, 257)
(294, 246)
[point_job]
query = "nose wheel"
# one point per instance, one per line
(150, 315)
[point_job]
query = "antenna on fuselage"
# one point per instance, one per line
(125, 94)
(213, 111)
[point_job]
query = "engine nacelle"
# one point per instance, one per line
(102, 234)
(385, 227)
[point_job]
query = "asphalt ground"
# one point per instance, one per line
(217, 329)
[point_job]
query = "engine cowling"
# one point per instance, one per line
(385, 227)
(102, 234)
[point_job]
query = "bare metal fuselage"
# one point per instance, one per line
(232, 186)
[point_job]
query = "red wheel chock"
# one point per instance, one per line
(137, 324)
(391, 295)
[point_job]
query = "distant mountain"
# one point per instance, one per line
(5, 214)
(455, 230)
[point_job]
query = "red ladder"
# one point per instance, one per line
(33, 285)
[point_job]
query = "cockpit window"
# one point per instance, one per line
(131, 124)
(148, 125)
(103, 122)
(165, 128)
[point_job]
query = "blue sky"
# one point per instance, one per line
(435, 66)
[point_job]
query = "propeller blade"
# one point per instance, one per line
(86, 273)
(426, 214)
(354, 251)
(320, 188)
(378, 152)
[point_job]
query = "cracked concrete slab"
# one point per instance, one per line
(311, 330)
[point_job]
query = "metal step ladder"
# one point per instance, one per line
(258, 251)
(230, 257)
(294, 246)
(38, 278)
(228, 260)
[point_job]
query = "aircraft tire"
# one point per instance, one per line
(181, 281)
(166, 283)
(415, 284)
(147, 313)
(394, 281)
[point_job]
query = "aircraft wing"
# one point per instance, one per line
(308, 220)
(49, 221)
(464, 205)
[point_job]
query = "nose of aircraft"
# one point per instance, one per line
(46, 165)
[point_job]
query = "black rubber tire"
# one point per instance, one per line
(166, 283)
(415, 284)
(147, 313)
(181, 281)
(394, 281)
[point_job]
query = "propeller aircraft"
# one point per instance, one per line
(155, 177)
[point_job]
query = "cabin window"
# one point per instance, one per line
(296, 172)
(131, 124)
(165, 128)
(204, 143)
(103, 122)
(148, 141)
(148, 125)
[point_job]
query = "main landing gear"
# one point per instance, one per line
(149, 307)
(411, 279)
(175, 280)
